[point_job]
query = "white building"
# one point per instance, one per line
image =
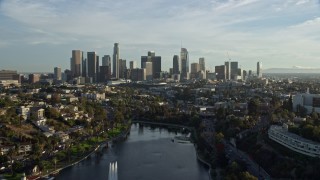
(7, 83)
(24, 112)
(309, 101)
(294, 142)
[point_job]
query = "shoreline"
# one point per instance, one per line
(121, 135)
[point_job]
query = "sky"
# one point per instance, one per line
(38, 35)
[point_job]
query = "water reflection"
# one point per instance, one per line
(148, 153)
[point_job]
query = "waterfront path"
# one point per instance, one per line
(162, 124)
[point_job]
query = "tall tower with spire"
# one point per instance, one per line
(116, 55)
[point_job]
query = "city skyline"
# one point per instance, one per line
(44, 33)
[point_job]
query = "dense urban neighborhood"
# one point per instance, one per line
(258, 128)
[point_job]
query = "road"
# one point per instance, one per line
(236, 154)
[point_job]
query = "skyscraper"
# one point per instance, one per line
(202, 64)
(138, 74)
(75, 64)
(195, 67)
(156, 66)
(228, 70)
(149, 74)
(106, 60)
(234, 69)
(57, 73)
(116, 55)
(184, 55)
(133, 64)
(92, 65)
(259, 69)
(122, 68)
(176, 65)
(97, 68)
(84, 67)
(104, 73)
(156, 63)
(221, 72)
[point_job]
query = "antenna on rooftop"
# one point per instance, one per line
(228, 56)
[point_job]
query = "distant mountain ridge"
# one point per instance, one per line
(294, 69)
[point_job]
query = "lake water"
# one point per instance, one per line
(147, 154)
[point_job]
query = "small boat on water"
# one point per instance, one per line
(183, 139)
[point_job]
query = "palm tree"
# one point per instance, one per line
(68, 149)
(55, 160)
(11, 153)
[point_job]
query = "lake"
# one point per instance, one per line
(147, 154)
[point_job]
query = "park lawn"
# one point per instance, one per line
(114, 132)
(13, 177)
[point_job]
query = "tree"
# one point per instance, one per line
(253, 106)
(290, 104)
(302, 111)
(314, 115)
(118, 117)
(11, 153)
(55, 160)
(221, 113)
(56, 98)
(247, 176)
(52, 113)
(37, 150)
(3, 159)
(219, 137)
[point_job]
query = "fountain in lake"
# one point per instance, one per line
(113, 171)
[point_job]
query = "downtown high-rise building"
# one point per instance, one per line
(202, 64)
(104, 73)
(259, 69)
(105, 69)
(176, 65)
(221, 72)
(156, 63)
(228, 70)
(138, 74)
(133, 64)
(116, 57)
(106, 60)
(195, 68)
(234, 70)
(84, 68)
(149, 72)
(75, 64)
(92, 65)
(57, 73)
(231, 69)
(122, 68)
(97, 69)
(184, 58)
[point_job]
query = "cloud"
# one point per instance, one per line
(300, 2)
(276, 31)
(308, 23)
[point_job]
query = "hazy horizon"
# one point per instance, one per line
(40, 35)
